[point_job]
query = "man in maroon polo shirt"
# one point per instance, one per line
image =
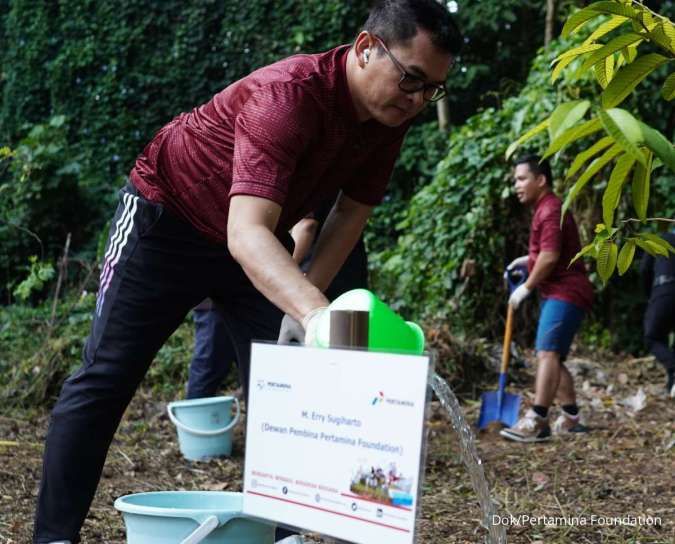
(566, 295)
(207, 212)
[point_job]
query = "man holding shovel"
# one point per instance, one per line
(566, 295)
(207, 213)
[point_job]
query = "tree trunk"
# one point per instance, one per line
(550, 21)
(443, 112)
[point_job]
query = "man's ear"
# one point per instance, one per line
(541, 181)
(362, 44)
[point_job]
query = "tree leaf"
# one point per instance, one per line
(615, 8)
(607, 257)
(581, 17)
(582, 157)
(584, 251)
(640, 187)
(652, 248)
(610, 198)
(658, 240)
(560, 67)
(593, 169)
(617, 44)
(626, 256)
(606, 27)
(644, 17)
(658, 35)
(604, 71)
(630, 77)
(661, 147)
(571, 135)
(565, 116)
(576, 51)
(669, 30)
(577, 20)
(625, 129)
(630, 53)
(668, 91)
(529, 134)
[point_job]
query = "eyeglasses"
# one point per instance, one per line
(409, 83)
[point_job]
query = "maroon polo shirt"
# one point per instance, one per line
(287, 132)
(567, 283)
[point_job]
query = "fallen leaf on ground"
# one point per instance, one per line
(636, 402)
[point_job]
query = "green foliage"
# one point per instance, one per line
(423, 149)
(37, 355)
(619, 70)
(502, 37)
(467, 212)
(463, 214)
(119, 71)
(38, 274)
(41, 200)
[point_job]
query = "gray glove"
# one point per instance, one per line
(290, 331)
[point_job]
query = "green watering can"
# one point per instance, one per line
(387, 331)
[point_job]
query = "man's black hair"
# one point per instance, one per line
(537, 166)
(396, 21)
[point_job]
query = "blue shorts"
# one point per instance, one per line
(559, 321)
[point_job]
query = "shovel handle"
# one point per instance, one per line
(508, 332)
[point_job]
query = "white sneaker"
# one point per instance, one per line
(567, 423)
(293, 539)
(530, 428)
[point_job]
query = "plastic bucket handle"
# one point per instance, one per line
(199, 432)
(201, 532)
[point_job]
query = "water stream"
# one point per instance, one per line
(467, 442)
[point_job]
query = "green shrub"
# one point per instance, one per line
(37, 354)
(41, 199)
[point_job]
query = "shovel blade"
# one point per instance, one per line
(491, 411)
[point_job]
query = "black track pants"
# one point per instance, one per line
(156, 269)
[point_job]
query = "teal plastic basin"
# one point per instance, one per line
(171, 517)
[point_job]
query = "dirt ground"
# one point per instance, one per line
(624, 467)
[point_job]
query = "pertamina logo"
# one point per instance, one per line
(380, 398)
(273, 386)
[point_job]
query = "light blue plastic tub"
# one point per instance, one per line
(204, 426)
(190, 517)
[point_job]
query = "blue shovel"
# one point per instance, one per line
(499, 405)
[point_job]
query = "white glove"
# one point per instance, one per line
(520, 294)
(290, 331)
(311, 324)
(293, 331)
(520, 261)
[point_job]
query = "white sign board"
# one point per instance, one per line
(334, 441)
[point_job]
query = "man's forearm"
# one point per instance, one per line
(337, 239)
(542, 269)
(303, 234)
(277, 277)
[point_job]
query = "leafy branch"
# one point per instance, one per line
(634, 148)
